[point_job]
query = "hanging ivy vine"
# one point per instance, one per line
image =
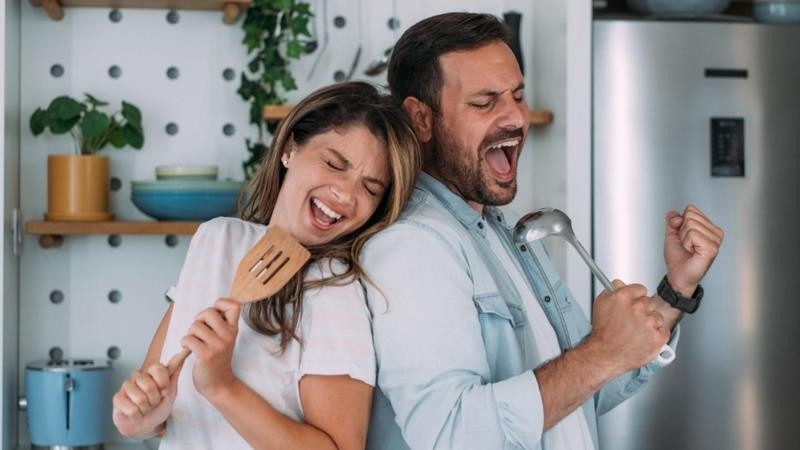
(273, 31)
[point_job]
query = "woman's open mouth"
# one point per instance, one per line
(324, 216)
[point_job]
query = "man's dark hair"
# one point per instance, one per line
(414, 69)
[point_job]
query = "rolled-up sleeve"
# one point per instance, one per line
(625, 385)
(432, 364)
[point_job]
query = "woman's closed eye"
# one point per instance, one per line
(333, 165)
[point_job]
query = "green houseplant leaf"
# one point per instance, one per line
(38, 121)
(94, 124)
(271, 31)
(91, 128)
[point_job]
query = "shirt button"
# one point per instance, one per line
(547, 299)
(522, 248)
(480, 225)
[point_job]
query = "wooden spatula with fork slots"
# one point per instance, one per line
(263, 271)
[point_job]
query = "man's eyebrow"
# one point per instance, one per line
(491, 93)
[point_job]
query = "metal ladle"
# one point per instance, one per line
(553, 222)
(378, 65)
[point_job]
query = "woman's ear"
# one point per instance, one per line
(421, 117)
(288, 152)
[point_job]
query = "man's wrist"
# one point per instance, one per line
(596, 353)
(685, 289)
(675, 298)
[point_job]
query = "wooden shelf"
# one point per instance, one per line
(231, 9)
(275, 113)
(51, 234)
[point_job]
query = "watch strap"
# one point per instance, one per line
(676, 300)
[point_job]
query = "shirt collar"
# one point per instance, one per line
(459, 208)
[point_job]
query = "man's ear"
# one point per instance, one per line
(421, 116)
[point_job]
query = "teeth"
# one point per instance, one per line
(328, 212)
(505, 144)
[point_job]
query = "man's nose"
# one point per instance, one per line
(513, 113)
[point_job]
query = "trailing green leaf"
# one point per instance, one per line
(271, 31)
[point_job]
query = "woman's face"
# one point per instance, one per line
(333, 184)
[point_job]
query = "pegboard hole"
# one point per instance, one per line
(114, 71)
(171, 240)
(115, 15)
(56, 354)
(339, 76)
(57, 70)
(56, 297)
(114, 352)
(173, 73)
(115, 184)
(115, 296)
(229, 74)
(339, 22)
(172, 128)
(173, 17)
(114, 240)
(228, 129)
(393, 23)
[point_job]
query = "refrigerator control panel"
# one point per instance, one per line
(727, 147)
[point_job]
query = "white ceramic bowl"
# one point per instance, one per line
(187, 172)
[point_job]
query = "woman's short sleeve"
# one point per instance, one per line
(337, 333)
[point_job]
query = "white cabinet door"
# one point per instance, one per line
(9, 202)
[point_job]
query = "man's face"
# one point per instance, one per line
(481, 126)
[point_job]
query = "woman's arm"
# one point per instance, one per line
(145, 400)
(336, 410)
(336, 407)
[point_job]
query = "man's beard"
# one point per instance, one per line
(459, 167)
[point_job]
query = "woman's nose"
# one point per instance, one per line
(342, 192)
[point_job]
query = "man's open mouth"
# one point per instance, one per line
(501, 157)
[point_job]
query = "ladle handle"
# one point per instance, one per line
(590, 262)
(666, 355)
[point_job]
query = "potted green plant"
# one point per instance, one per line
(78, 183)
(273, 31)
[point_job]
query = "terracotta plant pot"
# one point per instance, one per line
(77, 188)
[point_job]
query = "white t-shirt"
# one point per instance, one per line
(335, 329)
(572, 432)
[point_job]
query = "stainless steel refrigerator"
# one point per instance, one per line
(707, 113)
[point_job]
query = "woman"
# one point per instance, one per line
(296, 370)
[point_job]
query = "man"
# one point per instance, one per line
(479, 344)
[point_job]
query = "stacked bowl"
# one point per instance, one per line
(189, 193)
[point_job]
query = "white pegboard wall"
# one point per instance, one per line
(74, 56)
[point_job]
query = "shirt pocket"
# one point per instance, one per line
(503, 327)
(493, 308)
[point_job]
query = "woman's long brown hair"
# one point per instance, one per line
(331, 108)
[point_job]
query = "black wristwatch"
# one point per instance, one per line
(676, 300)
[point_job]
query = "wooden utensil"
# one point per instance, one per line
(263, 271)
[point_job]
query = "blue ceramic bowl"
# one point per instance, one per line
(191, 200)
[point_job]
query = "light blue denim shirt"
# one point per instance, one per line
(454, 347)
